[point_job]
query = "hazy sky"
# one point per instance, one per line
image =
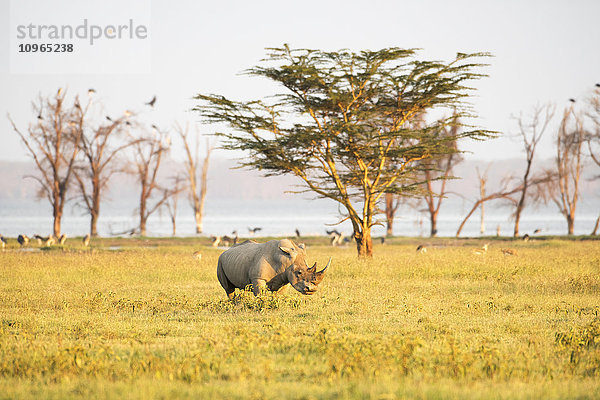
(543, 51)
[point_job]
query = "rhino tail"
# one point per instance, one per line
(225, 283)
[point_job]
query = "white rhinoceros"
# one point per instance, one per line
(271, 265)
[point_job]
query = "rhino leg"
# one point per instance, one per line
(228, 286)
(258, 286)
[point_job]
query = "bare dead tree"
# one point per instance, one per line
(595, 230)
(531, 132)
(482, 177)
(437, 172)
(100, 154)
(593, 139)
(501, 194)
(192, 164)
(504, 193)
(147, 157)
(562, 187)
(53, 143)
(392, 203)
(172, 194)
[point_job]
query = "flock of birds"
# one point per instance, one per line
(91, 92)
(231, 240)
(46, 241)
(337, 239)
(480, 251)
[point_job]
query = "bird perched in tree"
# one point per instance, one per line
(86, 240)
(109, 118)
(151, 102)
(597, 84)
(40, 116)
(23, 240)
(91, 92)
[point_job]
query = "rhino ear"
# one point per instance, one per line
(287, 250)
(301, 245)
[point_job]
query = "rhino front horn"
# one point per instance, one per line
(323, 270)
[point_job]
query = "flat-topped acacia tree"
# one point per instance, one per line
(341, 123)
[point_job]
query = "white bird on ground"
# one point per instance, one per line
(483, 250)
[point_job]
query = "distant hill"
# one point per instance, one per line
(226, 182)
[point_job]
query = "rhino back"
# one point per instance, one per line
(250, 260)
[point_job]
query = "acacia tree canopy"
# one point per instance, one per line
(342, 122)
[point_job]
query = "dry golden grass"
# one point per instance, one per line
(154, 322)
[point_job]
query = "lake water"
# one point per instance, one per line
(276, 218)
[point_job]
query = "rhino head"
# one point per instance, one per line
(303, 278)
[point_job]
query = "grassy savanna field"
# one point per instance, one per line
(149, 321)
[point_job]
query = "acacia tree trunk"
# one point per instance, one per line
(362, 227)
(364, 243)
